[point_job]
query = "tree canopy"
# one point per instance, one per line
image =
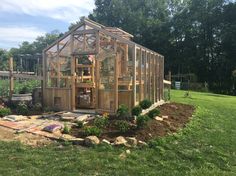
(195, 36)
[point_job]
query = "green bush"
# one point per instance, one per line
(24, 90)
(66, 129)
(80, 124)
(145, 104)
(123, 112)
(37, 107)
(122, 125)
(137, 110)
(100, 122)
(5, 112)
(141, 121)
(92, 131)
(153, 113)
(22, 109)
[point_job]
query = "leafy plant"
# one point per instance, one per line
(5, 112)
(122, 125)
(141, 121)
(66, 129)
(92, 131)
(100, 122)
(153, 113)
(80, 124)
(136, 110)
(145, 104)
(123, 112)
(22, 109)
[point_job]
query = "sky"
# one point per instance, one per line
(24, 20)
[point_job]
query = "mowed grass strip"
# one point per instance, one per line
(206, 146)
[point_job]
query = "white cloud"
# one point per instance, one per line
(12, 36)
(66, 10)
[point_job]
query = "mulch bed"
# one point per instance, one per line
(178, 116)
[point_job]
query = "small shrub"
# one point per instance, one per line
(66, 129)
(22, 109)
(37, 107)
(92, 131)
(137, 110)
(80, 124)
(145, 104)
(100, 122)
(153, 113)
(122, 125)
(24, 90)
(141, 121)
(5, 112)
(123, 112)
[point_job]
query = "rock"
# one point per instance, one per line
(158, 118)
(67, 137)
(128, 151)
(122, 155)
(91, 140)
(120, 140)
(82, 118)
(164, 117)
(174, 106)
(106, 141)
(67, 118)
(15, 118)
(142, 143)
(77, 141)
(131, 141)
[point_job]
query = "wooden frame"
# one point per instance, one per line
(149, 78)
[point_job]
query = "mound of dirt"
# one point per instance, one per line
(175, 115)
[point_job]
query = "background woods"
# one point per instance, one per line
(195, 36)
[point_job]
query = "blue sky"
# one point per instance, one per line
(24, 20)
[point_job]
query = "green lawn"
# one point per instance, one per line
(205, 147)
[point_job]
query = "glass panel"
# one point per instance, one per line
(125, 75)
(52, 69)
(106, 83)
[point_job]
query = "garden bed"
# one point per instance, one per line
(175, 117)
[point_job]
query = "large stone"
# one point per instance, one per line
(77, 141)
(131, 141)
(142, 144)
(104, 141)
(82, 118)
(91, 140)
(158, 118)
(120, 140)
(165, 117)
(15, 118)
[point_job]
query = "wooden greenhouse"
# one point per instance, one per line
(97, 67)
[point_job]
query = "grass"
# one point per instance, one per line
(206, 146)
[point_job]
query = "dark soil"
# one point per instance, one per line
(178, 115)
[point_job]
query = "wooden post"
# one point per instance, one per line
(134, 75)
(149, 76)
(140, 74)
(116, 81)
(58, 66)
(11, 77)
(72, 73)
(97, 81)
(145, 74)
(97, 74)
